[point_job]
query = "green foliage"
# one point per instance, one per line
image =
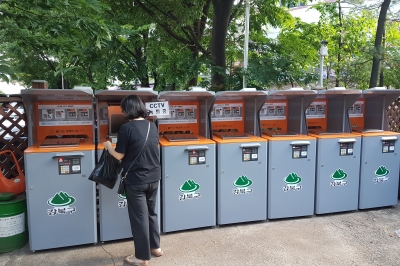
(276, 66)
(6, 72)
(391, 60)
(99, 43)
(53, 34)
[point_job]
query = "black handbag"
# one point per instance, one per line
(121, 188)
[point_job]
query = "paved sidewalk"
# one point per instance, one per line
(353, 238)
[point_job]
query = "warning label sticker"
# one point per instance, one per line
(12, 225)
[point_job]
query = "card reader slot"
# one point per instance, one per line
(389, 138)
(250, 145)
(347, 140)
(299, 143)
(68, 154)
(196, 148)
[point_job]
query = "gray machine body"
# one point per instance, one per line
(338, 158)
(113, 209)
(182, 211)
(236, 204)
(334, 195)
(51, 227)
(375, 190)
(379, 190)
(285, 200)
(113, 213)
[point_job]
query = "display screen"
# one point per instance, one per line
(115, 123)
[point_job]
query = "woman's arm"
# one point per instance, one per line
(108, 146)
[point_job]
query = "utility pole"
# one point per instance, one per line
(323, 51)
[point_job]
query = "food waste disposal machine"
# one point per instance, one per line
(109, 120)
(61, 201)
(241, 156)
(291, 153)
(379, 174)
(188, 161)
(338, 150)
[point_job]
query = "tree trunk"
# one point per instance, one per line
(155, 77)
(378, 42)
(192, 82)
(142, 73)
(195, 54)
(222, 12)
(382, 74)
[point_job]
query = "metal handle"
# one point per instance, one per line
(195, 148)
(250, 145)
(68, 154)
(300, 143)
(347, 140)
(389, 138)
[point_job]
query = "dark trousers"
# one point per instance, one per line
(141, 201)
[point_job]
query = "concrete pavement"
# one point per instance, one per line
(352, 238)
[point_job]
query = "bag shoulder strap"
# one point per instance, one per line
(148, 130)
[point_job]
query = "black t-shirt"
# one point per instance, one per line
(131, 137)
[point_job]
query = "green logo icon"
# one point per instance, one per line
(292, 179)
(339, 174)
(242, 182)
(122, 196)
(61, 199)
(382, 171)
(189, 186)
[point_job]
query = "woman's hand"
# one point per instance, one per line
(107, 145)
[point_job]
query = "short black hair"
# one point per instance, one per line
(133, 107)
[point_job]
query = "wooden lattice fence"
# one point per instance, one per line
(393, 114)
(13, 135)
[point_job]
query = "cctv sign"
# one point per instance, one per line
(158, 108)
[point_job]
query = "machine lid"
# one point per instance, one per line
(231, 135)
(291, 93)
(180, 137)
(380, 91)
(57, 92)
(118, 95)
(338, 91)
(325, 131)
(60, 142)
(242, 93)
(6, 196)
(193, 95)
(279, 133)
(371, 130)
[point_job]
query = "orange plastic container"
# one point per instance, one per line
(15, 185)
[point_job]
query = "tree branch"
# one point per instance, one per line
(44, 57)
(173, 34)
(164, 26)
(361, 63)
(235, 12)
(193, 37)
(175, 19)
(202, 23)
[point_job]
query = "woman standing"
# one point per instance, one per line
(141, 183)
